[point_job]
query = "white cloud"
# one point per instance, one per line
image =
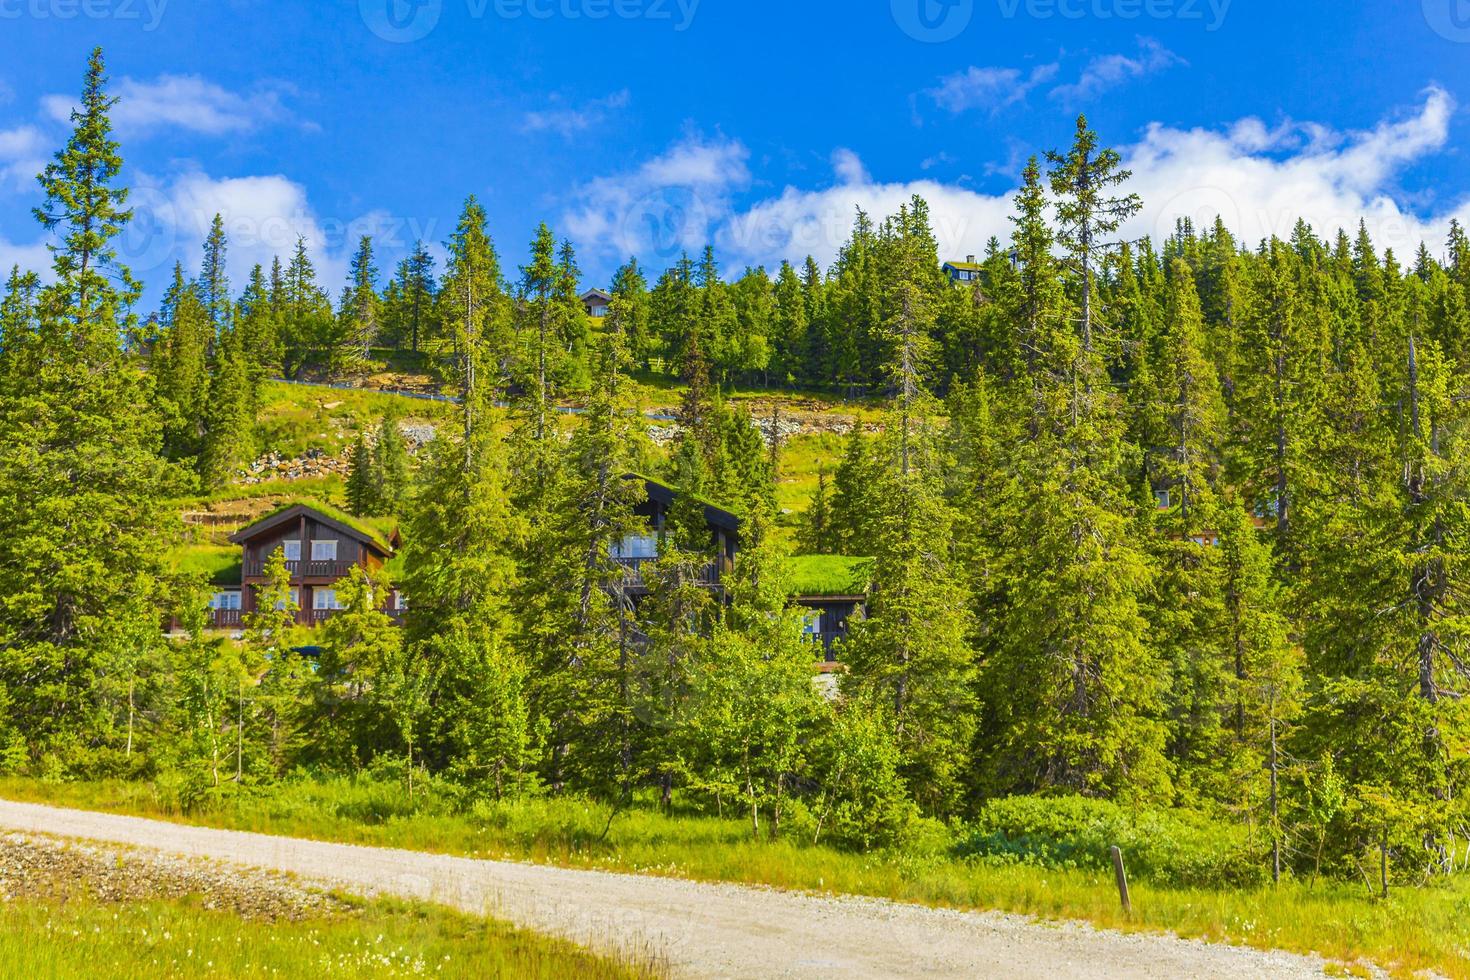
(263, 218)
(670, 204)
(186, 102)
(849, 167)
(23, 154)
(989, 88)
(570, 120)
(1109, 71)
(1259, 180)
(31, 258)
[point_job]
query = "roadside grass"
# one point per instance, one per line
(1415, 929)
(82, 938)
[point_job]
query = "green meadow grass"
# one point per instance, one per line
(1414, 929)
(81, 938)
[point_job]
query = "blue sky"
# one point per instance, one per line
(651, 125)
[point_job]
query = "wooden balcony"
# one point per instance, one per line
(330, 570)
(634, 572)
(225, 619)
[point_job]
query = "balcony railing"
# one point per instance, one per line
(634, 572)
(305, 569)
(224, 619)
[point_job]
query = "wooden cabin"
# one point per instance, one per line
(832, 592)
(638, 550)
(321, 549)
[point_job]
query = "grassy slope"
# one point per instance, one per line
(80, 938)
(1415, 929)
(297, 419)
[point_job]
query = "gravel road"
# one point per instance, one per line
(704, 930)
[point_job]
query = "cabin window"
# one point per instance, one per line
(225, 600)
(295, 599)
(811, 623)
(636, 546)
(292, 550)
(324, 551)
(325, 599)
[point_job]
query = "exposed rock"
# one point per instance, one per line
(53, 870)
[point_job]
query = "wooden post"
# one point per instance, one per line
(1122, 876)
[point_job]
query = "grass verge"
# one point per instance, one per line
(84, 938)
(1413, 930)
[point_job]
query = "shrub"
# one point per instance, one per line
(1176, 847)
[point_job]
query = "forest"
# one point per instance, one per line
(1175, 527)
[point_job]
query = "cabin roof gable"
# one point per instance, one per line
(295, 512)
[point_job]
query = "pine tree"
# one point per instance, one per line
(83, 518)
(1081, 179)
(228, 415)
(631, 306)
(307, 326)
(362, 484)
(472, 309)
(214, 282)
(181, 367)
(391, 465)
(360, 311)
(258, 331)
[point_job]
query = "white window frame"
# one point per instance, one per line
(325, 550)
(227, 599)
(288, 546)
(319, 600)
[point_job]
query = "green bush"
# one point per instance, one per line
(1176, 847)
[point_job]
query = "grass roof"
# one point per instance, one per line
(217, 564)
(376, 530)
(819, 575)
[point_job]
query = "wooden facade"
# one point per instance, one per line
(658, 501)
(320, 551)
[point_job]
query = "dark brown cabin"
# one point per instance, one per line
(320, 551)
(643, 548)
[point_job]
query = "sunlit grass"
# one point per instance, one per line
(1415, 929)
(82, 938)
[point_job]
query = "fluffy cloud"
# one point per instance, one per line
(570, 120)
(993, 89)
(23, 154)
(185, 102)
(1259, 179)
(263, 218)
(671, 203)
(1110, 71)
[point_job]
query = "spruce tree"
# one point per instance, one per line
(83, 518)
(228, 415)
(362, 484)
